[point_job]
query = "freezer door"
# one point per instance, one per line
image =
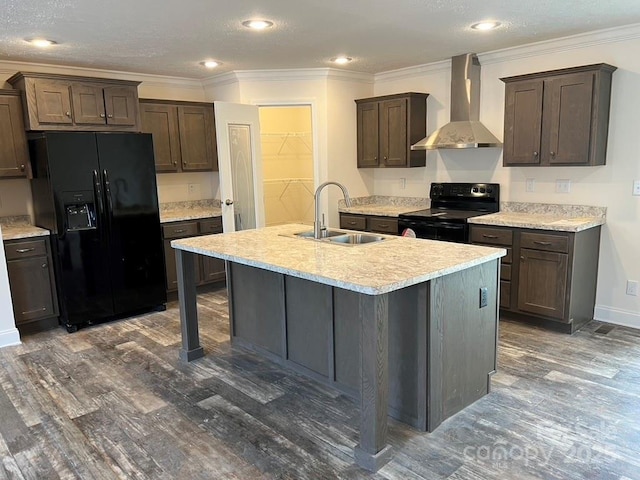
(131, 201)
(79, 239)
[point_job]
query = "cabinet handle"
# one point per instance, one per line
(110, 116)
(484, 235)
(535, 154)
(375, 158)
(44, 265)
(546, 244)
(22, 167)
(522, 257)
(184, 163)
(68, 114)
(383, 225)
(24, 250)
(102, 115)
(179, 230)
(384, 158)
(553, 154)
(352, 223)
(175, 164)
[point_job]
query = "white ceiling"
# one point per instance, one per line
(170, 37)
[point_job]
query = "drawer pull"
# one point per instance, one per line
(546, 244)
(484, 235)
(24, 250)
(352, 222)
(179, 230)
(44, 265)
(383, 225)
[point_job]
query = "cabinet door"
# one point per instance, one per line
(31, 289)
(522, 122)
(88, 104)
(53, 101)
(542, 282)
(162, 122)
(196, 137)
(121, 105)
(14, 155)
(368, 136)
(170, 266)
(567, 124)
(212, 269)
(393, 132)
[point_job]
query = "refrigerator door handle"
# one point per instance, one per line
(98, 192)
(107, 191)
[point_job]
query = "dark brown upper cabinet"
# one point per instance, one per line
(62, 102)
(557, 118)
(184, 137)
(388, 126)
(14, 156)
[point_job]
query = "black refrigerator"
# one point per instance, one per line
(96, 193)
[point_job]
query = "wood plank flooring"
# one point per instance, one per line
(113, 401)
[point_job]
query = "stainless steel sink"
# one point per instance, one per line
(341, 237)
(325, 234)
(357, 238)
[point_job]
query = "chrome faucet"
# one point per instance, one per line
(317, 226)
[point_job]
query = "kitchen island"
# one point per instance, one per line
(406, 326)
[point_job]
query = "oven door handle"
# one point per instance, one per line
(450, 226)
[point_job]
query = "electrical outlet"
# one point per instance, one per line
(632, 288)
(563, 186)
(403, 183)
(636, 187)
(191, 188)
(484, 297)
(531, 184)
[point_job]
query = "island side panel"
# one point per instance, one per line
(257, 303)
(309, 309)
(462, 340)
(186, 263)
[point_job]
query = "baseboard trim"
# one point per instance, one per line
(617, 316)
(9, 337)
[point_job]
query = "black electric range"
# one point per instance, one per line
(451, 205)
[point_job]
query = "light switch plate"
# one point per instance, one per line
(636, 187)
(563, 186)
(632, 288)
(531, 184)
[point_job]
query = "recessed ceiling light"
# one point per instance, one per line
(210, 63)
(485, 25)
(341, 60)
(41, 42)
(257, 24)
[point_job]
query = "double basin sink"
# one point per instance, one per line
(340, 237)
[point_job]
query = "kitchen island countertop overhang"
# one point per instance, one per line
(372, 269)
(407, 327)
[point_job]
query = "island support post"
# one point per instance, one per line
(186, 264)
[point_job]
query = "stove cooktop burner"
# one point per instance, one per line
(442, 215)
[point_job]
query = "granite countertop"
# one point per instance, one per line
(542, 216)
(373, 268)
(15, 228)
(383, 206)
(180, 211)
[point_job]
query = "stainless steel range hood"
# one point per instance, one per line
(465, 129)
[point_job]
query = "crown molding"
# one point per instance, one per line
(11, 66)
(220, 80)
(409, 72)
(563, 44)
(287, 75)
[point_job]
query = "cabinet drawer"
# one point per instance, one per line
(353, 222)
(213, 225)
(180, 230)
(491, 236)
(550, 243)
(505, 294)
(31, 248)
(384, 225)
(508, 257)
(505, 272)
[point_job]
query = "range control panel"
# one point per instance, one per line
(465, 190)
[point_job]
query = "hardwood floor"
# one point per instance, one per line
(113, 401)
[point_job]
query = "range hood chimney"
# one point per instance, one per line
(464, 130)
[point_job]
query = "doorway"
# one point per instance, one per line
(286, 137)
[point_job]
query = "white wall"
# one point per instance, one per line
(8, 332)
(608, 185)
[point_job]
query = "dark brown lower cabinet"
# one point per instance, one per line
(208, 270)
(33, 291)
(368, 223)
(548, 277)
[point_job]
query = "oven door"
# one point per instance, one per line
(435, 230)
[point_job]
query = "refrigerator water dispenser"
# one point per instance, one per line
(80, 217)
